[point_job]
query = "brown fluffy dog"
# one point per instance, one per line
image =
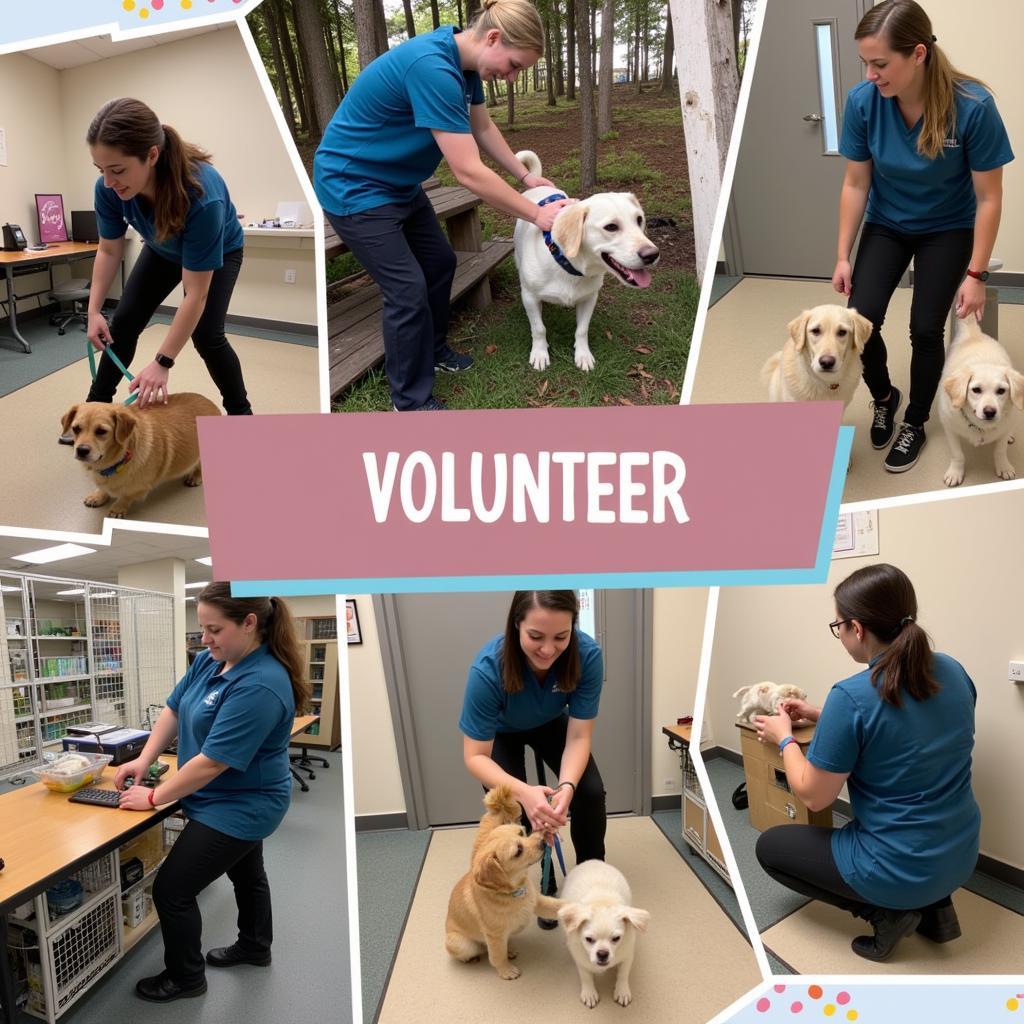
(497, 898)
(129, 451)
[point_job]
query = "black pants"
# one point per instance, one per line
(200, 856)
(404, 249)
(152, 279)
(940, 259)
(588, 820)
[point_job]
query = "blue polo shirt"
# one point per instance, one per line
(909, 192)
(914, 837)
(379, 147)
(211, 224)
(242, 718)
(487, 709)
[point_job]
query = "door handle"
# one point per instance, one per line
(813, 118)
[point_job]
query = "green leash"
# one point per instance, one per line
(117, 362)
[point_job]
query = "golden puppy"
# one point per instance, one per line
(129, 451)
(765, 698)
(497, 898)
(979, 400)
(821, 359)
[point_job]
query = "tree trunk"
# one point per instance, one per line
(667, 53)
(636, 53)
(333, 51)
(341, 48)
(301, 107)
(549, 62)
(737, 22)
(570, 46)
(556, 14)
(410, 25)
(435, 14)
(646, 61)
(511, 115)
(458, 12)
(492, 99)
(270, 21)
(588, 128)
(472, 9)
(366, 32)
(593, 40)
(607, 72)
(380, 27)
(309, 31)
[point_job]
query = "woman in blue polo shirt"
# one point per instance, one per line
(925, 148)
(538, 685)
(899, 734)
(410, 107)
(233, 713)
(167, 190)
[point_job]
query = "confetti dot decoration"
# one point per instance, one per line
(186, 5)
(797, 1006)
(814, 991)
(843, 998)
(763, 1005)
(828, 1009)
(780, 988)
(851, 1014)
(1012, 1004)
(128, 5)
(143, 12)
(158, 5)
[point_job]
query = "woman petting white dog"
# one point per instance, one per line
(410, 107)
(899, 734)
(538, 684)
(925, 148)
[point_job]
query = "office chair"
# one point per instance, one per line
(75, 291)
(304, 762)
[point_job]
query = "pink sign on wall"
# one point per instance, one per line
(50, 213)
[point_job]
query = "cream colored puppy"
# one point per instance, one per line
(979, 401)
(603, 234)
(765, 698)
(600, 927)
(821, 359)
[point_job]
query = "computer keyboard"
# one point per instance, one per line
(100, 797)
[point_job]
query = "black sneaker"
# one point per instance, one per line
(883, 423)
(432, 404)
(906, 449)
(450, 361)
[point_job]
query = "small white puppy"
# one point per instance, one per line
(764, 699)
(980, 396)
(600, 927)
(596, 236)
(821, 359)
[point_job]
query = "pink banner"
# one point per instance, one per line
(401, 497)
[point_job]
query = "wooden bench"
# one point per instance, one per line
(355, 341)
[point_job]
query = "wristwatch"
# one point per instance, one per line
(167, 362)
(978, 275)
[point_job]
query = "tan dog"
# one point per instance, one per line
(980, 396)
(129, 451)
(497, 898)
(821, 359)
(764, 698)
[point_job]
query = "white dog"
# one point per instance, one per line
(979, 399)
(591, 238)
(764, 699)
(821, 359)
(600, 927)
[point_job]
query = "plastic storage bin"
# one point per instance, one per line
(61, 776)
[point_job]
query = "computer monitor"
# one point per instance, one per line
(83, 226)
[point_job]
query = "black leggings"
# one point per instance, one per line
(152, 279)
(940, 259)
(200, 856)
(588, 819)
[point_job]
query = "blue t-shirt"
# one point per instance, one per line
(487, 709)
(242, 718)
(914, 837)
(211, 224)
(909, 192)
(379, 147)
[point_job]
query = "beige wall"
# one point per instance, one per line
(966, 559)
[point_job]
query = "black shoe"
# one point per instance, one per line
(939, 924)
(884, 419)
(889, 926)
(162, 988)
(906, 449)
(230, 956)
(432, 404)
(450, 361)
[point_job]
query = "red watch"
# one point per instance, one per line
(978, 275)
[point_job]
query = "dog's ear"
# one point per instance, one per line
(956, 386)
(568, 228)
(124, 423)
(573, 916)
(798, 329)
(1016, 380)
(488, 872)
(862, 328)
(65, 423)
(636, 917)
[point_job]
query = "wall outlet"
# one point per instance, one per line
(289, 276)
(1017, 671)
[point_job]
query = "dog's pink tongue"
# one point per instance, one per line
(641, 278)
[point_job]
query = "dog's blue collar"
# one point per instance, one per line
(516, 893)
(117, 466)
(559, 257)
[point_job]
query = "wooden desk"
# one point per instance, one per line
(302, 723)
(25, 262)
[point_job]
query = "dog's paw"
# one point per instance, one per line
(96, 500)
(540, 359)
(589, 997)
(194, 479)
(1005, 471)
(118, 511)
(954, 475)
(585, 360)
(623, 996)
(509, 972)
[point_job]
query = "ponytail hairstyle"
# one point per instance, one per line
(130, 126)
(513, 662)
(517, 21)
(882, 599)
(275, 627)
(903, 26)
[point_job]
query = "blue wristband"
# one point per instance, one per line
(784, 741)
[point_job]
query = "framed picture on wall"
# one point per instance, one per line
(352, 621)
(50, 213)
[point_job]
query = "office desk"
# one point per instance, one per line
(302, 723)
(16, 264)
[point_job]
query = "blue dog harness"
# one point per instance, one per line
(560, 258)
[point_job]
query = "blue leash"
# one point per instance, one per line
(117, 362)
(546, 863)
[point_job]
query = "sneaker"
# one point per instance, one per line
(883, 423)
(432, 404)
(450, 361)
(889, 927)
(906, 449)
